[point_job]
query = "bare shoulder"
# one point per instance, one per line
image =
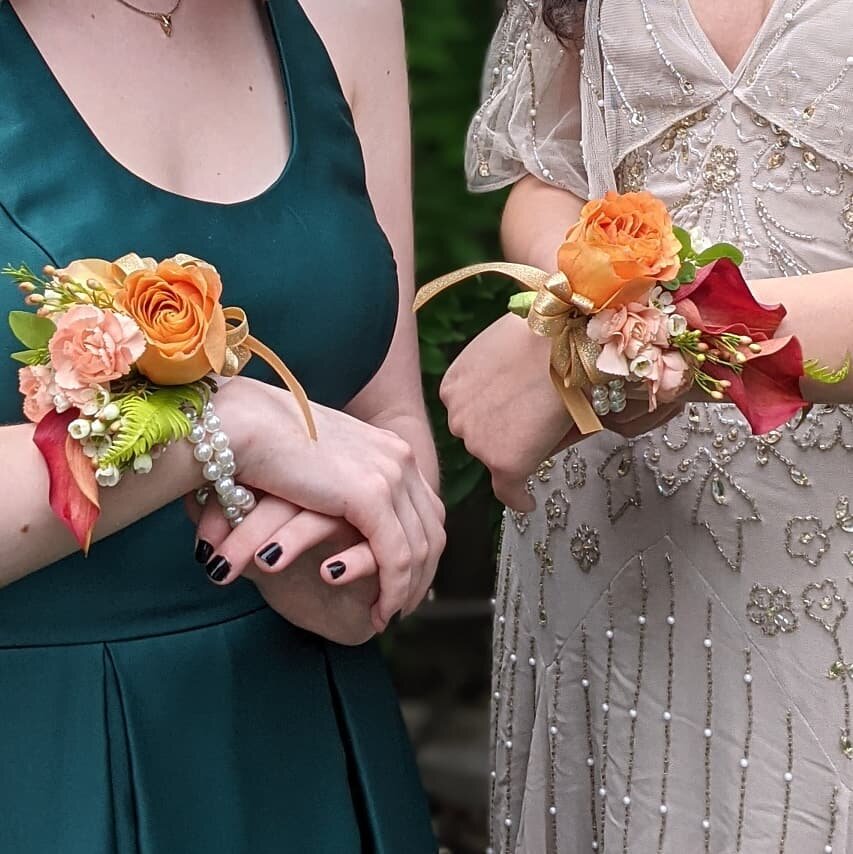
(363, 37)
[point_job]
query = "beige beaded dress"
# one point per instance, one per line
(673, 642)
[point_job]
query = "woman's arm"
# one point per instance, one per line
(505, 369)
(394, 399)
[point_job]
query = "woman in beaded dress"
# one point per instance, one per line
(673, 648)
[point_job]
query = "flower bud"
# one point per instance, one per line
(108, 476)
(110, 412)
(142, 464)
(79, 428)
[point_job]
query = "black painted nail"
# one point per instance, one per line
(270, 554)
(337, 569)
(203, 551)
(218, 569)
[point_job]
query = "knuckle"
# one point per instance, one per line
(378, 488)
(421, 552)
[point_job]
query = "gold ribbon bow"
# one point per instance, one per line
(239, 347)
(557, 313)
(239, 344)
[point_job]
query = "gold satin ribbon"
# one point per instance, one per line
(557, 313)
(239, 344)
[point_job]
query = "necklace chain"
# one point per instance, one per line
(164, 19)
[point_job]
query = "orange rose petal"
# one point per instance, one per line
(214, 343)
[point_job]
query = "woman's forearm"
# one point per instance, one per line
(819, 307)
(33, 537)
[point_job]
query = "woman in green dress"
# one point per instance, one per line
(144, 709)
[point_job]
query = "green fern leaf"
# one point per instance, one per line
(155, 418)
(824, 374)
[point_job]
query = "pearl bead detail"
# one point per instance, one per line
(590, 761)
(707, 643)
(827, 849)
(663, 809)
(513, 657)
(747, 677)
(850, 60)
(585, 683)
(707, 733)
(641, 620)
(626, 800)
(744, 762)
(667, 716)
(609, 634)
(670, 620)
(632, 713)
(531, 661)
(508, 822)
(605, 707)
(552, 810)
(553, 730)
(706, 824)
(508, 744)
(602, 792)
(203, 452)
(497, 695)
(788, 777)
(502, 619)
(789, 16)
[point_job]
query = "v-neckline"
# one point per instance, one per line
(125, 172)
(730, 77)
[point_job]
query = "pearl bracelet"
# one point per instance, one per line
(211, 447)
(609, 398)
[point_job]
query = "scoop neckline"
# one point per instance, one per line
(92, 139)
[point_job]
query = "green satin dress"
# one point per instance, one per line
(144, 710)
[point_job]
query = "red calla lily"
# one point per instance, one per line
(719, 300)
(767, 387)
(73, 488)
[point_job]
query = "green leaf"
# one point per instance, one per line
(40, 356)
(686, 242)
(720, 250)
(824, 374)
(31, 330)
(152, 419)
(521, 304)
(686, 274)
(671, 286)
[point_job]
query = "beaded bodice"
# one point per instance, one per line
(673, 638)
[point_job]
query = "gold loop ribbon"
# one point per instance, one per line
(239, 347)
(554, 315)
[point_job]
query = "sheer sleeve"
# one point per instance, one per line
(529, 120)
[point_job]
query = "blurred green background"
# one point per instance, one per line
(441, 657)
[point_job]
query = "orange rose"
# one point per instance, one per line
(177, 307)
(622, 245)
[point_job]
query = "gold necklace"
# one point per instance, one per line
(164, 19)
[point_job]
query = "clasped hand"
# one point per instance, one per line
(347, 532)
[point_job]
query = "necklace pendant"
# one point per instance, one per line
(165, 22)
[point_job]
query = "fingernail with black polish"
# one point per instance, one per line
(270, 554)
(218, 569)
(203, 551)
(337, 569)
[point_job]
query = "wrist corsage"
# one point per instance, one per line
(121, 360)
(638, 301)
